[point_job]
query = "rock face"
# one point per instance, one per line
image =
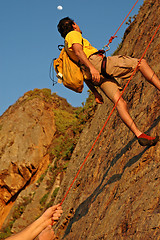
(24, 139)
(38, 134)
(117, 193)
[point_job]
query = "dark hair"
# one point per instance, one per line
(65, 26)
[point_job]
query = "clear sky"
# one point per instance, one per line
(29, 40)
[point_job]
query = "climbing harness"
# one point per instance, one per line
(109, 117)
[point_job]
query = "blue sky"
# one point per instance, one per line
(29, 40)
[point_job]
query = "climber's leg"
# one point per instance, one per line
(124, 114)
(149, 74)
(143, 139)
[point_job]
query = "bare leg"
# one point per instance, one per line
(98, 97)
(149, 74)
(143, 139)
(124, 114)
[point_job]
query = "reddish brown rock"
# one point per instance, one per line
(27, 129)
(116, 195)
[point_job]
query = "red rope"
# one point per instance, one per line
(109, 116)
(114, 36)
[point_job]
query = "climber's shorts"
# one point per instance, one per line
(117, 67)
(121, 66)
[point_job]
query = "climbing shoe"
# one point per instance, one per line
(145, 140)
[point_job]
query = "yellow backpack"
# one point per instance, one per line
(69, 72)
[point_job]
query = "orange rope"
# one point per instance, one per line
(114, 36)
(109, 116)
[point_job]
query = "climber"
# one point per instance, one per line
(116, 67)
(42, 227)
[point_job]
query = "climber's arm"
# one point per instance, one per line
(78, 50)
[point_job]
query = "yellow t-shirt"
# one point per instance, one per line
(76, 37)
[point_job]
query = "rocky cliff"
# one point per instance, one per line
(27, 128)
(117, 193)
(38, 134)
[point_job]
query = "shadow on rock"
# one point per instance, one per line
(83, 208)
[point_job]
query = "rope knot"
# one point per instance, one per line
(111, 39)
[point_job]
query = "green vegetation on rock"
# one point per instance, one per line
(69, 125)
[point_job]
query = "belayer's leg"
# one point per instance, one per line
(149, 74)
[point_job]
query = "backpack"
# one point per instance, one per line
(69, 72)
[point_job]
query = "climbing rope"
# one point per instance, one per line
(109, 117)
(114, 36)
